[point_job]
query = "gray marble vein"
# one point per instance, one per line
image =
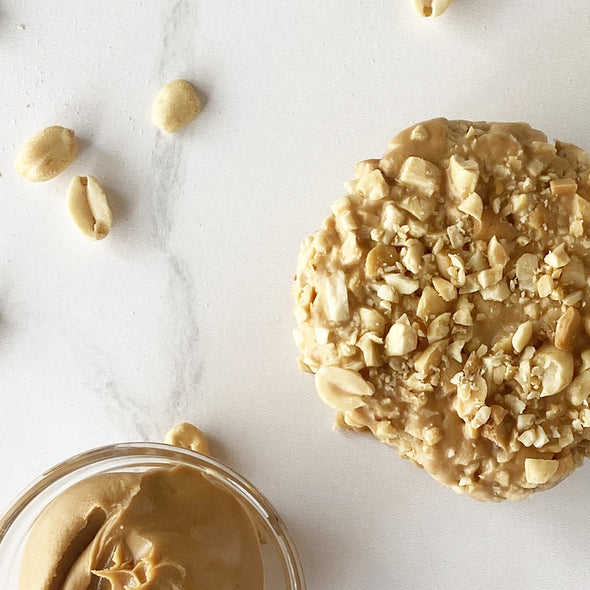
(168, 165)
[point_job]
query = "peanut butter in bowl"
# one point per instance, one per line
(143, 515)
(168, 527)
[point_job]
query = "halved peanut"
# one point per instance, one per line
(342, 389)
(88, 207)
(567, 330)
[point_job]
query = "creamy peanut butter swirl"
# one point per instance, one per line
(443, 305)
(165, 529)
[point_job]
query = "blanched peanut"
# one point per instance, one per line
(88, 207)
(48, 153)
(175, 106)
(342, 389)
(189, 437)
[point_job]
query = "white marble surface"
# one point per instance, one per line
(184, 312)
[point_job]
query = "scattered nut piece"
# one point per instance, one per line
(175, 106)
(545, 286)
(557, 257)
(48, 153)
(337, 297)
(400, 340)
(464, 174)
(373, 186)
(420, 174)
(380, 257)
(540, 471)
(88, 207)
(444, 288)
(579, 391)
(527, 267)
(522, 336)
(402, 284)
(557, 369)
(342, 389)
(439, 328)
(563, 186)
(497, 254)
(472, 205)
(189, 437)
(490, 277)
(567, 330)
(372, 321)
(481, 417)
(430, 304)
(430, 358)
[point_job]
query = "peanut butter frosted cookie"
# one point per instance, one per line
(442, 305)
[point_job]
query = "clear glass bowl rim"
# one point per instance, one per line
(137, 450)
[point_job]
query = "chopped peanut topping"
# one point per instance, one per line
(442, 305)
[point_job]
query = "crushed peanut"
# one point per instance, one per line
(442, 305)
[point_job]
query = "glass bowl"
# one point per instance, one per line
(282, 566)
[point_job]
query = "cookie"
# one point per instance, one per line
(442, 305)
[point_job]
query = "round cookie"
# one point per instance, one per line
(443, 307)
